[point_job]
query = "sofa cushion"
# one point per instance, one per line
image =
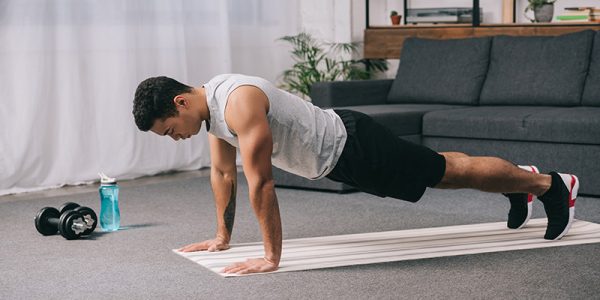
(441, 71)
(537, 70)
(350, 92)
(518, 123)
(591, 91)
(402, 119)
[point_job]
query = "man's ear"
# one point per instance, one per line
(180, 101)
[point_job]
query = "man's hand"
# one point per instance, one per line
(213, 245)
(252, 265)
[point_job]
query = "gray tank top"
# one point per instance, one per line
(307, 140)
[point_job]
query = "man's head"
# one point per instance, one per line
(166, 107)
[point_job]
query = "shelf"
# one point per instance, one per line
(386, 41)
(554, 24)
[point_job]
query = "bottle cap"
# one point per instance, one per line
(105, 180)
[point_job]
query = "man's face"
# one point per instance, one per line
(182, 126)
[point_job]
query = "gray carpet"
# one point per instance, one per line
(137, 262)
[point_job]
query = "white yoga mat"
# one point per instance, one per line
(378, 247)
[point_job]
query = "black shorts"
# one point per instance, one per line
(378, 162)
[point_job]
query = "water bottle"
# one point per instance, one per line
(110, 216)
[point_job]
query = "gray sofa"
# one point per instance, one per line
(530, 100)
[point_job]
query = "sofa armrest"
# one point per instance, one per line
(350, 93)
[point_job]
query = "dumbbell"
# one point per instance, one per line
(89, 215)
(82, 220)
(72, 221)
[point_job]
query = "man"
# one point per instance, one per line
(272, 127)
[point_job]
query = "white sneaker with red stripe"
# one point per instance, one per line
(520, 205)
(559, 204)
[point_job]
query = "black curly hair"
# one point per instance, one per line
(154, 100)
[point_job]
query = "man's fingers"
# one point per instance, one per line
(248, 269)
(250, 266)
(231, 268)
(244, 271)
(210, 245)
(193, 247)
(234, 270)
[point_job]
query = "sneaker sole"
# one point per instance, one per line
(529, 209)
(573, 183)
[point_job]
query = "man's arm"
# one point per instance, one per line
(246, 115)
(223, 179)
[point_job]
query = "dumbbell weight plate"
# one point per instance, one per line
(90, 217)
(42, 224)
(68, 206)
(65, 224)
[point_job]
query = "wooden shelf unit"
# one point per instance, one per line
(386, 41)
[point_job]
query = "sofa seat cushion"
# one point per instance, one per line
(441, 71)
(580, 125)
(537, 70)
(402, 119)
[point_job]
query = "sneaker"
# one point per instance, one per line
(520, 205)
(559, 204)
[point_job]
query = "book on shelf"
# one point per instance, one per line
(573, 17)
(584, 8)
(579, 21)
(579, 14)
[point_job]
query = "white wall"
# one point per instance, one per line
(329, 20)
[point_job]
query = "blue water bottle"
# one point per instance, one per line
(110, 216)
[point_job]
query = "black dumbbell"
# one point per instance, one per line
(89, 215)
(73, 222)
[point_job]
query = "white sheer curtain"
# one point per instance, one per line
(69, 69)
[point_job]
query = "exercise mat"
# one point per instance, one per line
(388, 246)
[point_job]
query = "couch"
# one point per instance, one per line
(528, 99)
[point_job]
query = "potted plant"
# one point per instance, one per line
(543, 10)
(395, 17)
(317, 61)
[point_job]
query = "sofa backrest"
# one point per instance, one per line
(537, 70)
(591, 91)
(441, 71)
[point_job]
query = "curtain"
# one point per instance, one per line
(69, 69)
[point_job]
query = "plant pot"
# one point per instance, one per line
(544, 13)
(396, 19)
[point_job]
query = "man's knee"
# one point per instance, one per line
(457, 165)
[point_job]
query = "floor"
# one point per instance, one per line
(166, 212)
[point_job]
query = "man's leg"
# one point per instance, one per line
(557, 192)
(521, 204)
(375, 160)
(490, 174)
